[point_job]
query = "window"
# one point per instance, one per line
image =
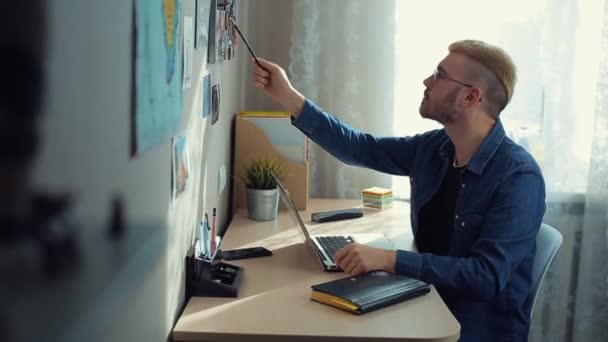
(556, 53)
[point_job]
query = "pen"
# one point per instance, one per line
(246, 44)
(207, 233)
(213, 232)
(203, 238)
(217, 249)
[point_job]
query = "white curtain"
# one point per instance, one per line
(342, 59)
(574, 158)
(591, 309)
(365, 62)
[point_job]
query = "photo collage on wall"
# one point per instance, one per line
(222, 35)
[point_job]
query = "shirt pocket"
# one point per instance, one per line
(467, 227)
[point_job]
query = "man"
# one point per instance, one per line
(477, 198)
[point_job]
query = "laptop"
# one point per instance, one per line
(324, 247)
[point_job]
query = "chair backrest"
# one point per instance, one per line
(548, 241)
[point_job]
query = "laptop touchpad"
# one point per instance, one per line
(375, 240)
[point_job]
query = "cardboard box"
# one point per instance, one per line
(252, 142)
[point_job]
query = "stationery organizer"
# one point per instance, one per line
(211, 277)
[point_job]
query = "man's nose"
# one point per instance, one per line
(427, 81)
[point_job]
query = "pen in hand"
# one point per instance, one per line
(255, 57)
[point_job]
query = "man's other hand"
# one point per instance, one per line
(356, 259)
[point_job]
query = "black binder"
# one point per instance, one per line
(368, 292)
(335, 215)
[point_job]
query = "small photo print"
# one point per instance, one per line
(181, 166)
(215, 103)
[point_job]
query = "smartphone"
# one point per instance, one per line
(245, 253)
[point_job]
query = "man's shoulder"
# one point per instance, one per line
(512, 157)
(430, 142)
(436, 135)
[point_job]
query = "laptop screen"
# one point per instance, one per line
(289, 204)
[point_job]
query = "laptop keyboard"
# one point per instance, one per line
(332, 244)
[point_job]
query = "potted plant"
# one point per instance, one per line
(262, 192)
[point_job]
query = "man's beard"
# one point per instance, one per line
(445, 111)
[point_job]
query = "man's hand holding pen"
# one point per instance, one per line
(273, 80)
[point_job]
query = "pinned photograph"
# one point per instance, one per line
(181, 166)
(203, 11)
(215, 103)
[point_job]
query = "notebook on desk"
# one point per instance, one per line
(368, 292)
(324, 247)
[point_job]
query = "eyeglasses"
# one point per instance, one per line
(439, 75)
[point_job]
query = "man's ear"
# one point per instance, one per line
(473, 96)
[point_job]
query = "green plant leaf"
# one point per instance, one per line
(257, 173)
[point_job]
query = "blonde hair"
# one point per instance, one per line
(504, 74)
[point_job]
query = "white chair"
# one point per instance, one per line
(548, 241)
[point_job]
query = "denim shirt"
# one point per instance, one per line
(485, 279)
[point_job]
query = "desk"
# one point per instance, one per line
(274, 301)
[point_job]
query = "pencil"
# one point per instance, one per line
(246, 43)
(213, 232)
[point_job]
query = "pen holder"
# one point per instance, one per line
(211, 278)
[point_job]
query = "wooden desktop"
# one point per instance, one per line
(274, 301)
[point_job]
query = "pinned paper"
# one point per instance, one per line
(206, 95)
(188, 51)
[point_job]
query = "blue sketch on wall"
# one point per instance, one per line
(170, 14)
(158, 106)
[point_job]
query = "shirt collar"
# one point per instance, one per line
(486, 150)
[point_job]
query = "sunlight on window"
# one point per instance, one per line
(584, 76)
(527, 30)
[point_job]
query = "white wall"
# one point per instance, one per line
(85, 132)
(269, 34)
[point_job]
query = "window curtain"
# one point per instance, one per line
(365, 62)
(591, 291)
(569, 140)
(342, 58)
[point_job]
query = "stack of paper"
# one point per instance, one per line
(377, 197)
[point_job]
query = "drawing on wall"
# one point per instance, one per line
(158, 66)
(180, 167)
(188, 28)
(203, 8)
